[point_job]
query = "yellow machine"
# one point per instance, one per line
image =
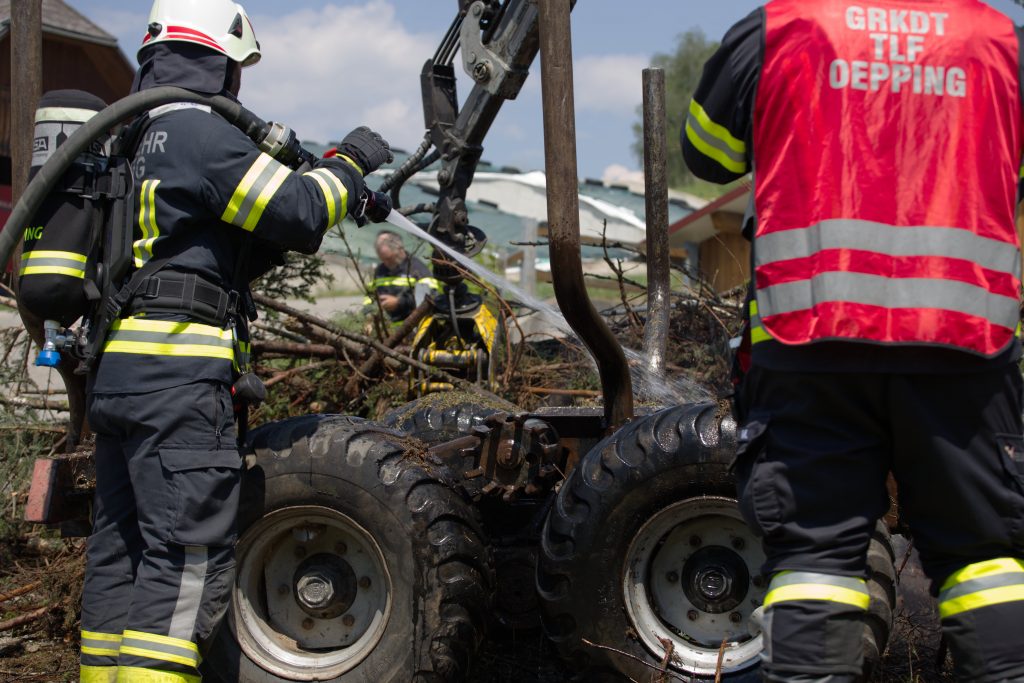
(467, 344)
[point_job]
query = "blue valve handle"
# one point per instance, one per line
(48, 358)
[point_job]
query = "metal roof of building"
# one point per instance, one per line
(61, 19)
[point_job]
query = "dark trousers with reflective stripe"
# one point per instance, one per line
(160, 560)
(815, 451)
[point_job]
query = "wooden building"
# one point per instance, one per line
(76, 54)
(714, 233)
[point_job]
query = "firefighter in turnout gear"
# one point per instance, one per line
(211, 211)
(400, 280)
(884, 317)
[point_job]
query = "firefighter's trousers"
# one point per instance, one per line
(159, 563)
(815, 451)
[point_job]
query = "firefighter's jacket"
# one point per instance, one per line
(401, 281)
(202, 187)
(885, 142)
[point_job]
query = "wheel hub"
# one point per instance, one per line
(716, 579)
(324, 586)
(313, 593)
(688, 582)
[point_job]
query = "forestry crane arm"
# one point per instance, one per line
(498, 40)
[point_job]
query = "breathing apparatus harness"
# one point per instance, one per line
(107, 276)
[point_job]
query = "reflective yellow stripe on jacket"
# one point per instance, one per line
(983, 584)
(169, 338)
(335, 194)
(397, 281)
(252, 196)
(43, 262)
(797, 586)
(757, 332)
(143, 247)
(714, 140)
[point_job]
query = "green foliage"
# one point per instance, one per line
(683, 69)
(296, 279)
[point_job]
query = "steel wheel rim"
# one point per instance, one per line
(660, 609)
(278, 630)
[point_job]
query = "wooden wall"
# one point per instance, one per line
(725, 258)
(67, 64)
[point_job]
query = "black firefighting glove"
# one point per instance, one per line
(365, 149)
(373, 207)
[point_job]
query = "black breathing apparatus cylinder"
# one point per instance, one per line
(57, 270)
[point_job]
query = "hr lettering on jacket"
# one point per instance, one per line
(897, 39)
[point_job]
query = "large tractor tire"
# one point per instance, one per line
(646, 563)
(354, 564)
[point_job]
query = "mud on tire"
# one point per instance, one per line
(442, 416)
(339, 492)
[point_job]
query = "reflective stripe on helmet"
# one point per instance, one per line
(219, 25)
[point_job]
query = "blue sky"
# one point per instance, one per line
(331, 66)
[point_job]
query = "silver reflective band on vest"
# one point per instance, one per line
(882, 291)
(877, 290)
(890, 240)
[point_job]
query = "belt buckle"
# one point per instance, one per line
(234, 301)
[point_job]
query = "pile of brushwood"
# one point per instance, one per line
(357, 365)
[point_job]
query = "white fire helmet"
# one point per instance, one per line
(220, 25)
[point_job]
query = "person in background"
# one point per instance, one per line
(400, 281)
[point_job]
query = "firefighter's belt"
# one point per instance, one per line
(185, 294)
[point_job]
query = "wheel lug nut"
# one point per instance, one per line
(282, 589)
(758, 581)
(307, 624)
(735, 617)
(348, 620)
(695, 541)
(364, 582)
(739, 543)
(692, 615)
(340, 548)
(300, 551)
(672, 577)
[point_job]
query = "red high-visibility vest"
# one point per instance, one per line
(887, 146)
